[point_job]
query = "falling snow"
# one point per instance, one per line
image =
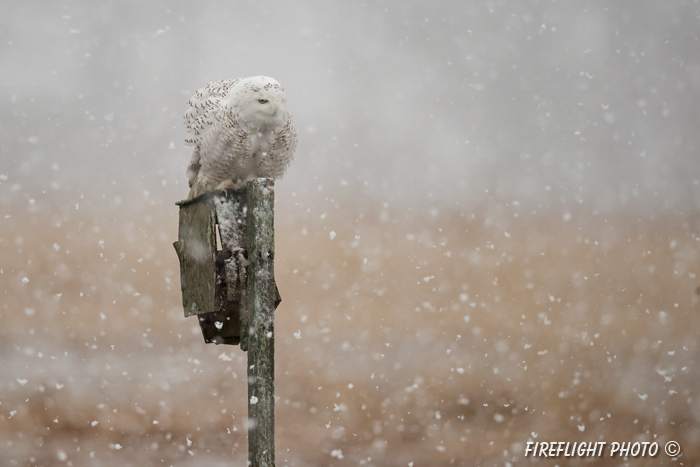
(489, 234)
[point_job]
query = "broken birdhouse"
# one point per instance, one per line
(216, 230)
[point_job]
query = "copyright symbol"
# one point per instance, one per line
(672, 449)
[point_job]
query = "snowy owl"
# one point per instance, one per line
(240, 129)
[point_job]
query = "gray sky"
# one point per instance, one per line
(592, 103)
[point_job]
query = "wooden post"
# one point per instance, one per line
(232, 291)
(263, 298)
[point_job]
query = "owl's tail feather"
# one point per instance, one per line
(193, 168)
(192, 172)
(196, 189)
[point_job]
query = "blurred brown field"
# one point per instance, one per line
(406, 336)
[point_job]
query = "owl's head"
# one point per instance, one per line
(260, 101)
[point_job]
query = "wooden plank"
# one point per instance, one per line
(223, 325)
(220, 322)
(196, 248)
(231, 218)
(263, 298)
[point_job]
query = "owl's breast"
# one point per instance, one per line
(261, 145)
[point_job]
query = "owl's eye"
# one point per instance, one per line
(262, 101)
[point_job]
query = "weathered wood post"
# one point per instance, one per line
(232, 290)
(263, 299)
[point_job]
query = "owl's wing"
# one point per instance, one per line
(204, 119)
(204, 106)
(282, 150)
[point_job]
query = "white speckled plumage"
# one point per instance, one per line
(240, 129)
